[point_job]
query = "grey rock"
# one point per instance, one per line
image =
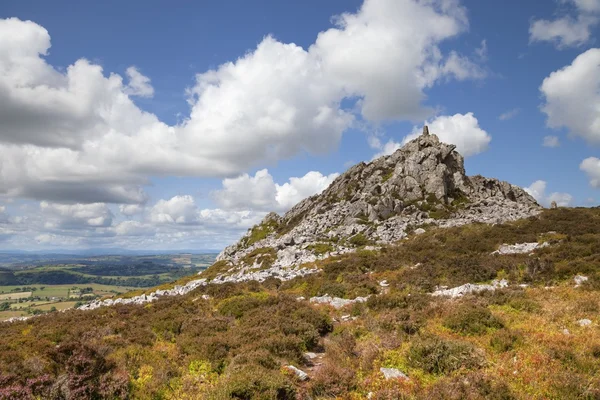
(580, 279)
(392, 373)
(337, 302)
(419, 231)
(470, 288)
(520, 248)
(584, 322)
(301, 375)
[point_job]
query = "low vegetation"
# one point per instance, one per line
(234, 341)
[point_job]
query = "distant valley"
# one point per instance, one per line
(32, 284)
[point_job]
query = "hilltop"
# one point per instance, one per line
(421, 184)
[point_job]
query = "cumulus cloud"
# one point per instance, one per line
(591, 166)
(75, 135)
(260, 192)
(130, 210)
(134, 228)
(551, 141)
(572, 97)
(572, 29)
(76, 216)
(182, 210)
(538, 190)
(139, 85)
(461, 130)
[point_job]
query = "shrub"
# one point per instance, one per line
(253, 383)
(505, 340)
(473, 386)
(439, 356)
(472, 320)
(358, 240)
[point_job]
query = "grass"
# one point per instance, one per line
(62, 291)
(4, 315)
(15, 296)
(63, 305)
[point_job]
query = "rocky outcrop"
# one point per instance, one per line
(381, 202)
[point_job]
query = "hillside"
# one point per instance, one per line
(530, 340)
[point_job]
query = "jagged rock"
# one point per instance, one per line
(424, 182)
(337, 302)
(520, 248)
(470, 288)
(584, 322)
(301, 375)
(580, 279)
(392, 373)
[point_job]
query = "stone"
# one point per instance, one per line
(520, 248)
(301, 375)
(469, 288)
(584, 322)
(419, 231)
(392, 373)
(580, 279)
(337, 302)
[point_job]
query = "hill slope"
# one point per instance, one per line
(537, 338)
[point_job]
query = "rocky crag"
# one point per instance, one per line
(372, 204)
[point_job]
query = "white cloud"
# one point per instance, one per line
(260, 192)
(177, 210)
(538, 190)
(585, 5)
(591, 166)
(182, 210)
(572, 97)
(130, 210)
(461, 130)
(297, 189)
(568, 30)
(509, 114)
(563, 32)
(139, 85)
(385, 149)
(134, 228)
(75, 135)
(76, 216)
(551, 141)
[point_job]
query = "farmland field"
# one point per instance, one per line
(59, 284)
(14, 296)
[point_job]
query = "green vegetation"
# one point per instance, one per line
(505, 344)
(42, 298)
(358, 240)
(320, 248)
(472, 319)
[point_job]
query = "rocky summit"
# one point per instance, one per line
(422, 184)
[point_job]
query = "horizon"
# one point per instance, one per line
(181, 128)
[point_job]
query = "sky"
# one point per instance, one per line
(146, 126)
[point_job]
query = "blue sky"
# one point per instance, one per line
(154, 151)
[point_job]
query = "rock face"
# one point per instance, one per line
(380, 202)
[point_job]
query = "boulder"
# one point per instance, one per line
(392, 373)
